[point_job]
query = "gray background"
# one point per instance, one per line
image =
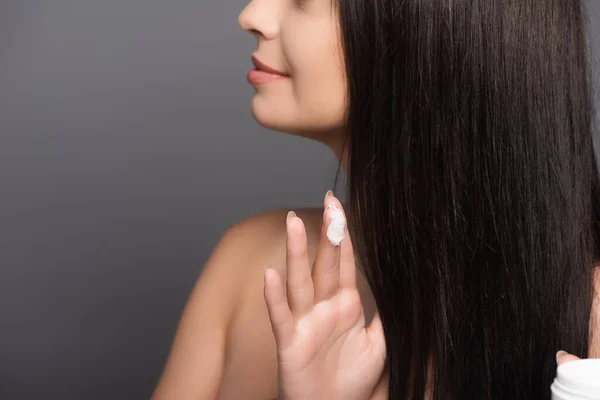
(127, 148)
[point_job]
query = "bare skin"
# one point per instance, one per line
(237, 382)
(251, 365)
(224, 347)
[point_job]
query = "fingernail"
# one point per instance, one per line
(329, 193)
(290, 214)
(265, 272)
(559, 354)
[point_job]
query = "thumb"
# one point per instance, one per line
(563, 357)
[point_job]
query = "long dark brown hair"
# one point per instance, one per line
(473, 189)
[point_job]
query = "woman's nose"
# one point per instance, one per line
(259, 18)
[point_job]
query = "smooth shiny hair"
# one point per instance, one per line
(473, 189)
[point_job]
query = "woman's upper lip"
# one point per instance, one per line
(264, 67)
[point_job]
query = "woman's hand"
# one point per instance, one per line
(324, 350)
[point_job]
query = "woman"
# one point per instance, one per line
(465, 129)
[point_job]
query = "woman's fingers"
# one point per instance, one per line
(326, 268)
(563, 357)
(282, 320)
(300, 291)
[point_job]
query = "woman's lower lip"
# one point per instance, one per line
(256, 77)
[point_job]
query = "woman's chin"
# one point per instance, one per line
(281, 119)
(272, 123)
(273, 120)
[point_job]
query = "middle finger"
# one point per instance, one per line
(326, 269)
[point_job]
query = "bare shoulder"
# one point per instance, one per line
(250, 369)
(251, 244)
(223, 337)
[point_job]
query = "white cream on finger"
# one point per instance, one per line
(337, 224)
